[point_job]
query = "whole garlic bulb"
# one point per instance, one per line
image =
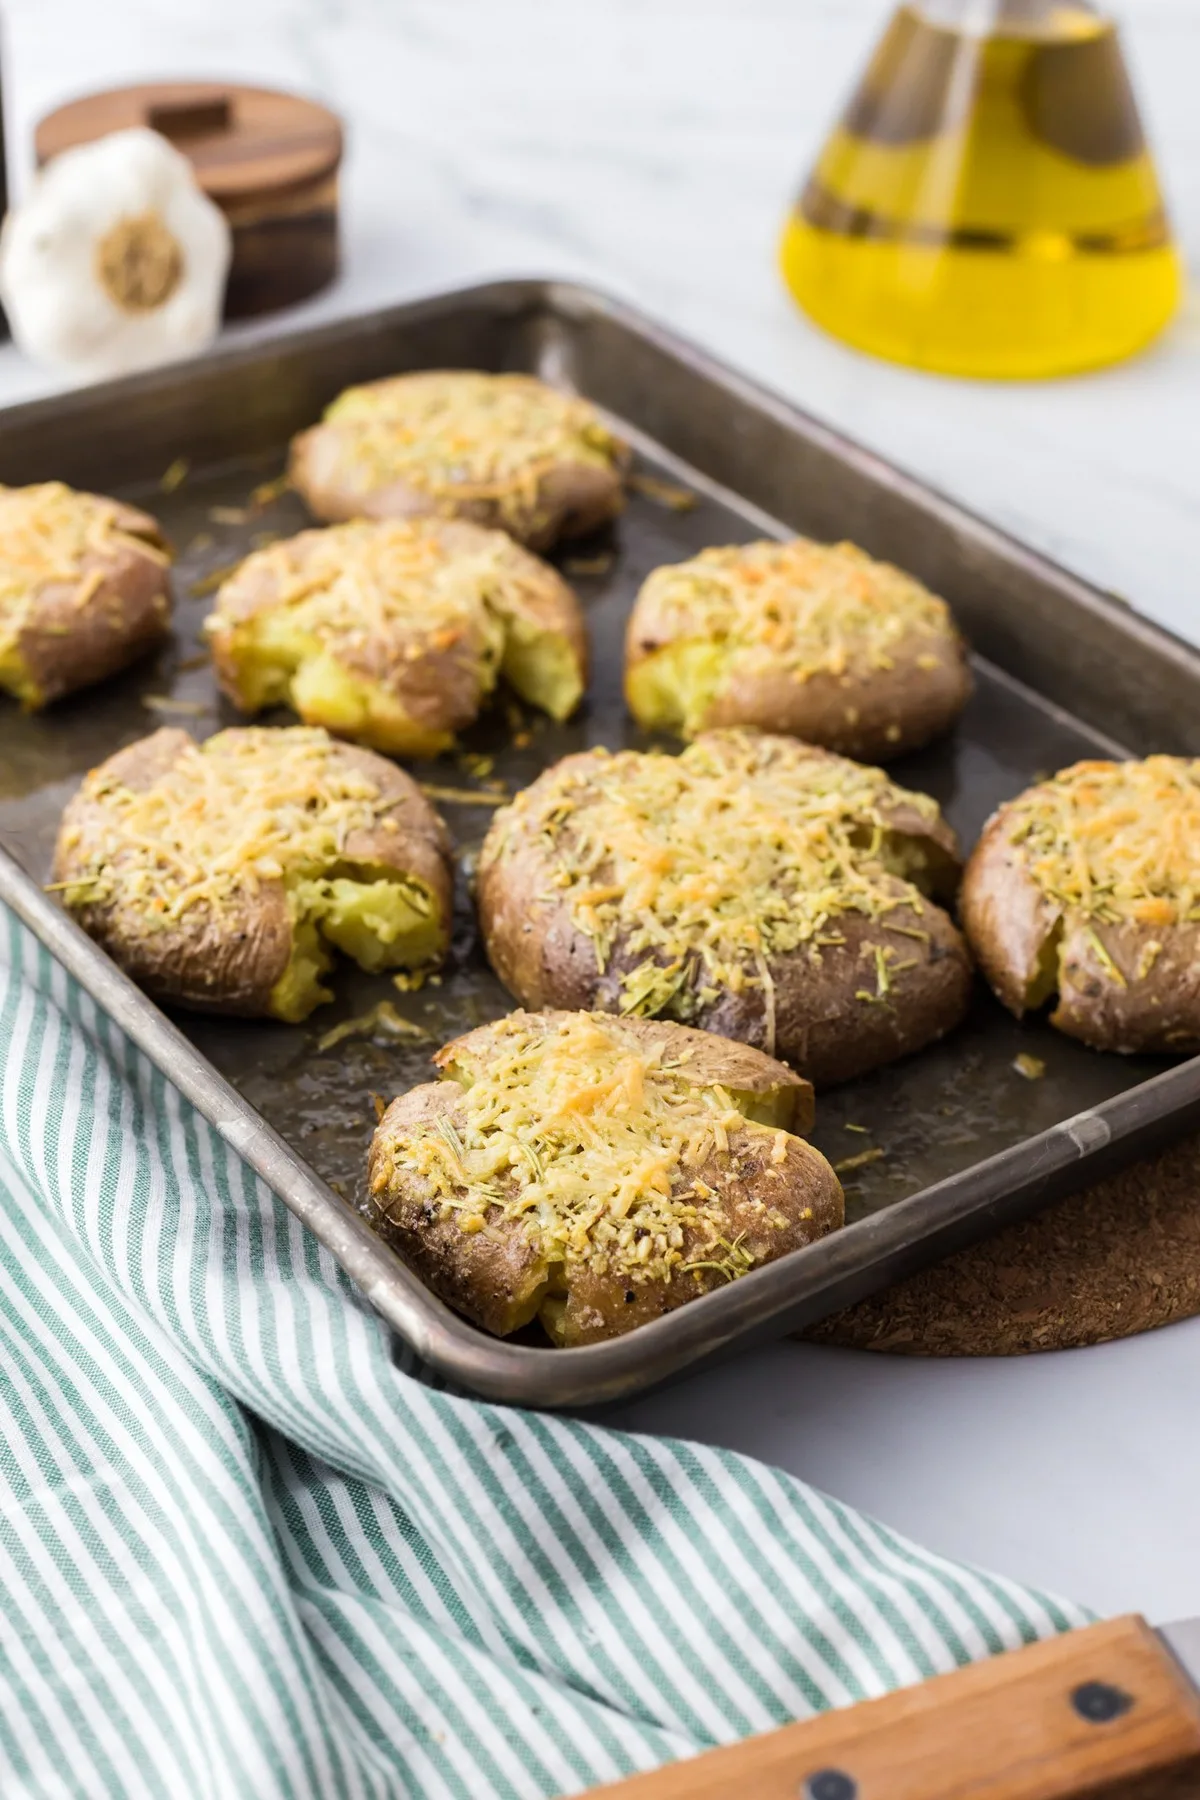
(116, 260)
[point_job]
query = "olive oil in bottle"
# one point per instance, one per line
(987, 205)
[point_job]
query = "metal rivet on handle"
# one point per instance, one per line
(829, 1784)
(1099, 1703)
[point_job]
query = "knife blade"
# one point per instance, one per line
(1108, 1712)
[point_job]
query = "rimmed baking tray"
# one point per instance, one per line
(934, 1151)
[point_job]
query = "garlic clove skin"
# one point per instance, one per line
(116, 261)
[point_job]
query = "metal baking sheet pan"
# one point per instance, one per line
(941, 1148)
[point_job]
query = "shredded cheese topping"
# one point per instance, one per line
(461, 435)
(805, 607)
(353, 586)
(1115, 841)
(248, 806)
(593, 1142)
(704, 866)
(50, 536)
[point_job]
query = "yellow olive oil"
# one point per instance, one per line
(987, 205)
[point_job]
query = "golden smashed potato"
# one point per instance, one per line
(595, 1173)
(1086, 889)
(816, 640)
(753, 885)
(222, 876)
(394, 633)
(83, 590)
(499, 450)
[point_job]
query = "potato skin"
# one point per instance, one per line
(439, 688)
(544, 960)
(231, 964)
(832, 1036)
(65, 647)
(1028, 949)
(498, 1278)
(567, 500)
(872, 717)
(1156, 1014)
(1007, 918)
(805, 1190)
(495, 1278)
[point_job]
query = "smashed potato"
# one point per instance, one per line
(500, 450)
(816, 640)
(222, 875)
(1086, 889)
(595, 1173)
(393, 633)
(753, 885)
(83, 590)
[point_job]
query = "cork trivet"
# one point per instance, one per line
(1114, 1260)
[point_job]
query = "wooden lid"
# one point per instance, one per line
(241, 141)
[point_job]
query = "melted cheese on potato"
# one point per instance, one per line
(740, 849)
(460, 434)
(351, 583)
(589, 1138)
(1115, 840)
(337, 621)
(245, 807)
(51, 536)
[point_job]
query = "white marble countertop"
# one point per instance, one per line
(652, 146)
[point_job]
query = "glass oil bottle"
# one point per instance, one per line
(987, 204)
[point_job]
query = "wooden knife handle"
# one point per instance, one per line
(1104, 1713)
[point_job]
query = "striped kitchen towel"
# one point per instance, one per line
(245, 1554)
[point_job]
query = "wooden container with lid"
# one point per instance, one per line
(268, 159)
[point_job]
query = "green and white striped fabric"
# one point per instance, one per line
(245, 1554)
